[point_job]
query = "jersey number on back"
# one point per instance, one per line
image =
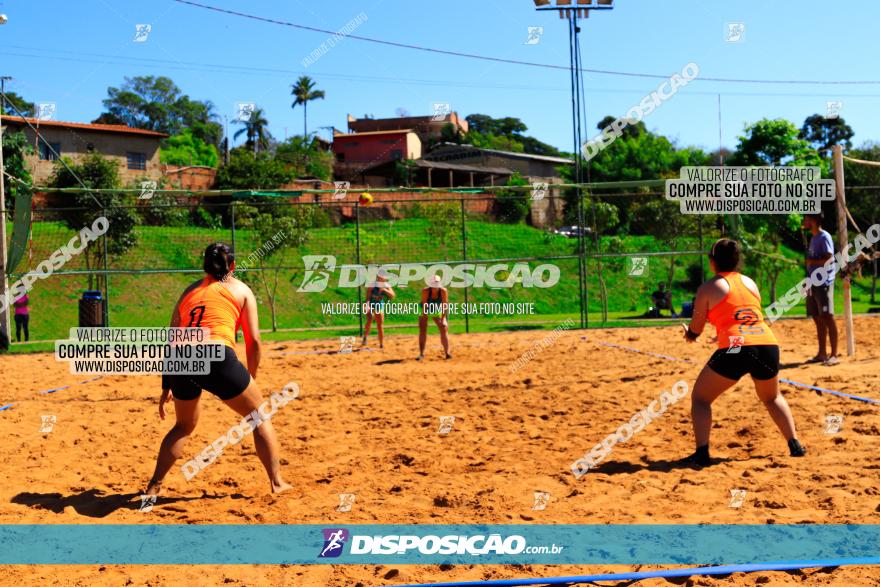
(748, 319)
(195, 316)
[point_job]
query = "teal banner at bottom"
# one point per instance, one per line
(152, 544)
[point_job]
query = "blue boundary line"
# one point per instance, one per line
(54, 390)
(71, 385)
(47, 391)
(781, 380)
(831, 391)
(635, 350)
(667, 573)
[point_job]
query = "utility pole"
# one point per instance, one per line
(226, 132)
(4, 280)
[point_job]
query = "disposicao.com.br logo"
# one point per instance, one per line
(453, 544)
(321, 269)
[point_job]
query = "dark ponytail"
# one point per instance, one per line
(727, 254)
(218, 260)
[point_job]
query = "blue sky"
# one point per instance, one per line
(70, 52)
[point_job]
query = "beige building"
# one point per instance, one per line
(136, 150)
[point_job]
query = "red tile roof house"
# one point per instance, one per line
(135, 149)
(357, 152)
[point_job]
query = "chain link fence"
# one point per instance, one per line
(632, 251)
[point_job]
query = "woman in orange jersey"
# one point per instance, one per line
(221, 303)
(731, 302)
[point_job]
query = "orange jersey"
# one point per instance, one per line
(210, 305)
(738, 318)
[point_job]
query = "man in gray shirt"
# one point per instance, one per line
(820, 298)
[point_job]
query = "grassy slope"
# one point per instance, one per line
(147, 299)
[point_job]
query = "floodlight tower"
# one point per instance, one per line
(572, 10)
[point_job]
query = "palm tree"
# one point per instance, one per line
(305, 92)
(255, 129)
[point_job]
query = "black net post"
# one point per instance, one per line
(106, 305)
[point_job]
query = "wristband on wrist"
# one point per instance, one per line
(691, 335)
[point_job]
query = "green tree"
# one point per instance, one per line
(663, 220)
(108, 118)
(637, 154)
(601, 216)
(278, 226)
(246, 171)
(451, 134)
(305, 92)
(15, 105)
(823, 133)
(493, 141)
(305, 158)
(186, 149)
(775, 142)
(15, 148)
(255, 130)
(761, 240)
(404, 171)
(156, 103)
(94, 171)
(640, 154)
(200, 118)
(504, 134)
(444, 222)
(507, 126)
(770, 142)
(513, 205)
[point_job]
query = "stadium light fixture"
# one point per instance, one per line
(580, 8)
(572, 11)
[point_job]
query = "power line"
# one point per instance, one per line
(513, 61)
(276, 72)
(286, 74)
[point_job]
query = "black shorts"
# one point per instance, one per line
(228, 379)
(820, 300)
(761, 361)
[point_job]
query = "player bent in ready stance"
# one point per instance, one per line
(732, 303)
(379, 292)
(221, 303)
(435, 303)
